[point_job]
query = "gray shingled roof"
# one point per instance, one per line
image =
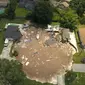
(13, 32)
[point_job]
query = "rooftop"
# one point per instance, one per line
(4, 2)
(12, 32)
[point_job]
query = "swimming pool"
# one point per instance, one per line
(2, 10)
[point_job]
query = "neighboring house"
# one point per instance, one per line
(65, 35)
(61, 4)
(3, 3)
(12, 33)
(28, 4)
(81, 35)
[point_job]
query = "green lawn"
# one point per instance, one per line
(21, 12)
(81, 54)
(81, 26)
(3, 22)
(79, 80)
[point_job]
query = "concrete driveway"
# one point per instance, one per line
(78, 67)
(73, 42)
(6, 52)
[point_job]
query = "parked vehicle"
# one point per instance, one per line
(25, 25)
(6, 42)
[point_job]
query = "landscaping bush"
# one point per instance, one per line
(29, 15)
(82, 20)
(15, 53)
(21, 12)
(2, 15)
(70, 77)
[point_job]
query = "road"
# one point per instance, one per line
(78, 67)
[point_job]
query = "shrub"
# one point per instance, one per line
(70, 77)
(82, 20)
(15, 53)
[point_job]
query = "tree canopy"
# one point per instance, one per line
(10, 10)
(42, 12)
(11, 74)
(67, 18)
(78, 6)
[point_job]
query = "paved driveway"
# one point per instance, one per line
(73, 41)
(6, 51)
(78, 67)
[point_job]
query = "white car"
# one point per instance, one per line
(25, 25)
(6, 42)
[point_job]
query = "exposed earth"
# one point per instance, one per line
(41, 55)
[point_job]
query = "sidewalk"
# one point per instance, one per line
(78, 67)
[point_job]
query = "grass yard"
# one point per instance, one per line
(81, 26)
(79, 80)
(55, 23)
(81, 54)
(3, 22)
(21, 12)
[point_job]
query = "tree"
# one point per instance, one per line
(78, 6)
(11, 74)
(10, 10)
(10, 13)
(69, 19)
(70, 77)
(42, 12)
